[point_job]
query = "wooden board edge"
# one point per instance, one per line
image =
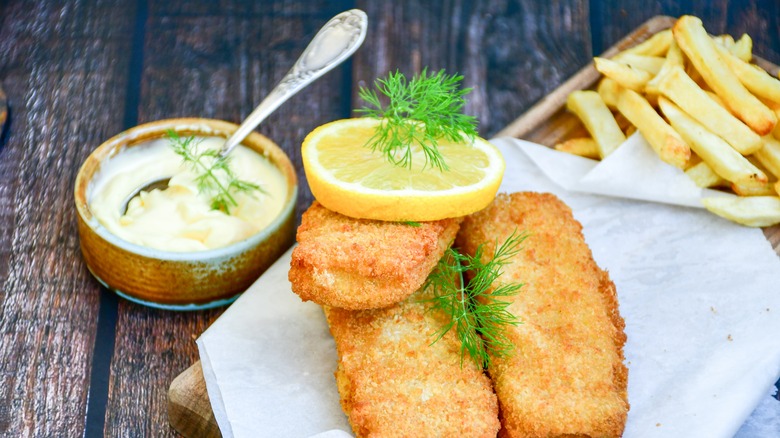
(189, 408)
(585, 78)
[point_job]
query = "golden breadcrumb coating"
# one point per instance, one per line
(364, 264)
(566, 376)
(394, 383)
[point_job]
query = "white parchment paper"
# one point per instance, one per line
(700, 297)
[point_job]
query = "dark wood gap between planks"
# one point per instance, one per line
(103, 353)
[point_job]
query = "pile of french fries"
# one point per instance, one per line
(702, 106)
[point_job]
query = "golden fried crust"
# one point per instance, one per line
(566, 376)
(364, 264)
(393, 383)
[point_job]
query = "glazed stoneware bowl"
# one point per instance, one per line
(181, 280)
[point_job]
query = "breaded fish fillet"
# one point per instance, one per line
(566, 376)
(394, 383)
(364, 264)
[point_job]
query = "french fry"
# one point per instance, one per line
(754, 161)
(684, 92)
(694, 160)
(776, 107)
(625, 75)
(773, 105)
(656, 45)
(769, 155)
(765, 189)
(719, 115)
(703, 176)
(753, 211)
(622, 121)
(674, 58)
(666, 142)
(608, 90)
(583, 146)
(753, 77)
(689, 33)
(692, 73)
(650, 64)
(598, 120)
(724, 40)
(776, 131)
(743, 48)
(721, 157)
(716, 99)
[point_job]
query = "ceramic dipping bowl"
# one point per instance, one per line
(181, 280)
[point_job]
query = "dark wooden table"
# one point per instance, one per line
(76, 360)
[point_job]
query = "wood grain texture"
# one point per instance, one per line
(202, 62)
(217, 63)
(547, 121)
(152, 348)
(71, 82)
(510, 52)
(62, 88)
(758, 18)
(189, 409)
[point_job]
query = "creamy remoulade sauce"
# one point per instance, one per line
(180, 218)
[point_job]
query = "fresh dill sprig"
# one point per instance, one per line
(478, 316)
(420, 111)
(213, 173)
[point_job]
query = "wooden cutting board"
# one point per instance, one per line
(547, 123)
(189, 408)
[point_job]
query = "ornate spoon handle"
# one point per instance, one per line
(334, 43)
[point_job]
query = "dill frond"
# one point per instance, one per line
(419, 111)
(214, 176)
(479, 317)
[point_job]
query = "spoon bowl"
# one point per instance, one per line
(158, 184)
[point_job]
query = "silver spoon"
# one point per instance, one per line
(334, 43)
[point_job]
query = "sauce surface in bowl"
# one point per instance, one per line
(181, 218)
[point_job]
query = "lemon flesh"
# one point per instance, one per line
(347, 177)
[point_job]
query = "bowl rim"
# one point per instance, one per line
(148, 131)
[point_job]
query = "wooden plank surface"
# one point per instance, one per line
(56, 79)
(759, 18)
(220, 63)
(511, 53)
(75, 74)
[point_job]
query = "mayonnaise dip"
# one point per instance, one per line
(180, 218)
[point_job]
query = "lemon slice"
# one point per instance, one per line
(349, 178)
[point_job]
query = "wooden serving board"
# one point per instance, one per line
(547, 123)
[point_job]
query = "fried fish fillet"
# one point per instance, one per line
(566, 376)
(364, 264)
(394, 383)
